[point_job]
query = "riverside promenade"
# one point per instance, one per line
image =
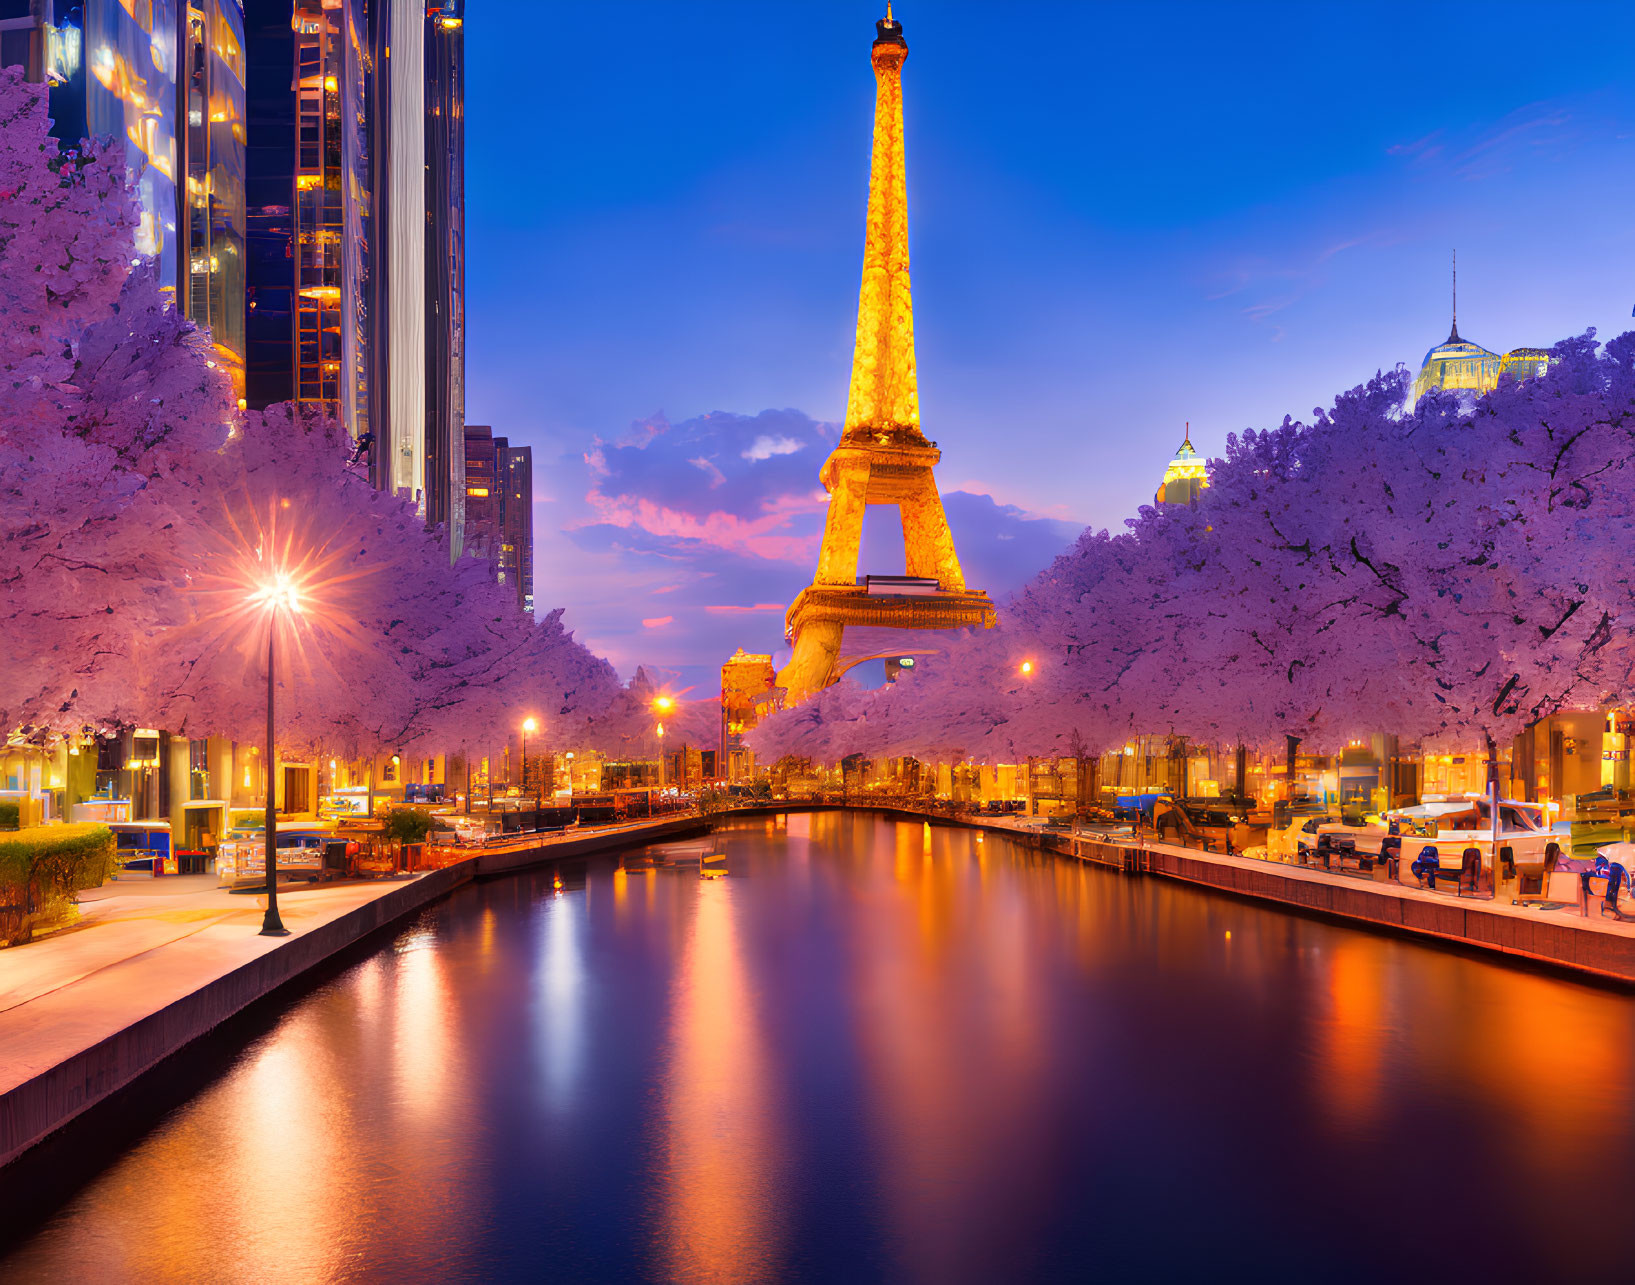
(153, 964)
(156, 964)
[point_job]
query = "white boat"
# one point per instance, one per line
(1453, 825)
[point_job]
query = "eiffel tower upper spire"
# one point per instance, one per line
(884, 397)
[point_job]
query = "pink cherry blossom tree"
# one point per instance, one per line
(1443, 570)
(139, 509)
(393, 647)
(109, 397)
(629, 723)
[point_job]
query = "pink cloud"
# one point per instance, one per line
(766, 536)
(656, 622)
(729, 610)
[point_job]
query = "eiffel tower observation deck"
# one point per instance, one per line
(883, 457)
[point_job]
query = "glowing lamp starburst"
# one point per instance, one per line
(278, 592)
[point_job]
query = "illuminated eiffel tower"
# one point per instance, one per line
(883, 458)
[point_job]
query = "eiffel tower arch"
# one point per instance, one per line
(883, 458)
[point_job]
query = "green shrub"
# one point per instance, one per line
(11, 814)
(409, 825)
(41, 869)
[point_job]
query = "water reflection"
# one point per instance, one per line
(719, 1182)
(560, 978)
(885, 1051)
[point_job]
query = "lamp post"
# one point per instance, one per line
(528, 725)
(279, 594)
(662, 705)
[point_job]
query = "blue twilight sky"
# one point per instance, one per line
(1123, 217)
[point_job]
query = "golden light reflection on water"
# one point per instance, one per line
(939, 968)
(951, 1047)
(720, 1213)
(1352, 1032)
(1544, 1054)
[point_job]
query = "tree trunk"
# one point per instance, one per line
(1493, 805)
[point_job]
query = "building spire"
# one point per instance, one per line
(1453, 335)
(884, 398)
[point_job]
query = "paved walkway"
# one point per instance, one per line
(1567, 917)
(141, 944)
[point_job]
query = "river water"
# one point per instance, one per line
(880, 1050)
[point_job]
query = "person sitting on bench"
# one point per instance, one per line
(1391, 854)
(1470, 867)
(1615, 875)
(1425, 866)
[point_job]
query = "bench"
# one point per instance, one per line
(1430, 863)
(1340, 849)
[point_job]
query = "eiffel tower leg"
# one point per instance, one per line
(843, 527)
(812, 666)
(926, 538)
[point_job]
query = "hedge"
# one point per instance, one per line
(41, 869)
(11, 814)
(411, 825)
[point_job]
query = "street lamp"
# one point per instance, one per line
(663, 705)
(528, 725)
(1027, 667)
(275, 596)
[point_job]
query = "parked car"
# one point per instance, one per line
(1293, 841)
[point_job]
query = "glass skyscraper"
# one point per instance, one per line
(300, 169)
(164, 78)
(499, 500)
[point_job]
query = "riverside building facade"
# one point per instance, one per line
(299, 167)
(166, 80)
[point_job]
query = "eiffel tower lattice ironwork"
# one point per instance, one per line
(883, 458)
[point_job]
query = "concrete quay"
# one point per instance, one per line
(156, 964)
(1600, 947)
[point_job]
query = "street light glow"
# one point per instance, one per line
(280, 592)
(528, 725)
(1027, 666)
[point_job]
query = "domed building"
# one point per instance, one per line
(1186, 475)
(1525, 363)
(1458, 365)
